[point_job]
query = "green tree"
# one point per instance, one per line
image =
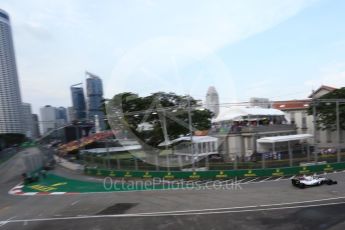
(156, 108)
(326, 111)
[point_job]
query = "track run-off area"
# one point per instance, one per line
(257, 203)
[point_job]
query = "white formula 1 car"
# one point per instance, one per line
(308, 181)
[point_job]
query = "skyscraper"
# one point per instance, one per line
(212, 101)
(27, 120)
(52, 118)
(35, 126)
(70, 114)
(48, 118)
(61, 116)
(94, 93)
(10, 99)
(61, 113)
(78, 102)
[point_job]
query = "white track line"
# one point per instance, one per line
(162, 214)
(2, 223)
(251, 206)
(247, 182)
(57, 193)
(245, 210)
(75, 202)
(226, 181)
(239, 181)
(30, 193)
(265, 179)
(278, 178)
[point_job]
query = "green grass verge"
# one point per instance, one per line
(55, 183)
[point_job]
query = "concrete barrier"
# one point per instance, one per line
(217, 174)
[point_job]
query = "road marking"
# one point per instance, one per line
(251, 206)
(278, 178)
(176, 213)
(42, 188)
(241, 180)
(257, 180)
(239, 211)
(59, 184)
(30, 193)
(15, 188)
(265, 179)
(2, 223)
(249, 181)
(57, 193)
(75, 202)
(227, 181)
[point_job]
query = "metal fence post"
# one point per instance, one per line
(156, 161)
(308, 152)
(290, 154)
(315, 131)
(338, 132)
(135, 163)
(263, 163)
(118, 165)
(180, 162)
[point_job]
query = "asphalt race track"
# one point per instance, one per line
(266, 205)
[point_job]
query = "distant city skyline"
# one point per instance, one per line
(52, 117)
(270, 49)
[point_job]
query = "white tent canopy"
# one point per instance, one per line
(195, 139)
(237, 112)
(284, 138)
(113, 149)
(278, 140)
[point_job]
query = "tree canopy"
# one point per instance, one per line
(326, 111)
(156, 110)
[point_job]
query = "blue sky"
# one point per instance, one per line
(248, 48)
(294, 57)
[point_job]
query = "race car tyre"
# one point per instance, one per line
(331, 182)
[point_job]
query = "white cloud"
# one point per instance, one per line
(193, 33)
(330, 75)
(64, 38)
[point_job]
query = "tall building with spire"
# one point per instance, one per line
(11, 120)
(212, 100)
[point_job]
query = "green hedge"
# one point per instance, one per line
(217, 174)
